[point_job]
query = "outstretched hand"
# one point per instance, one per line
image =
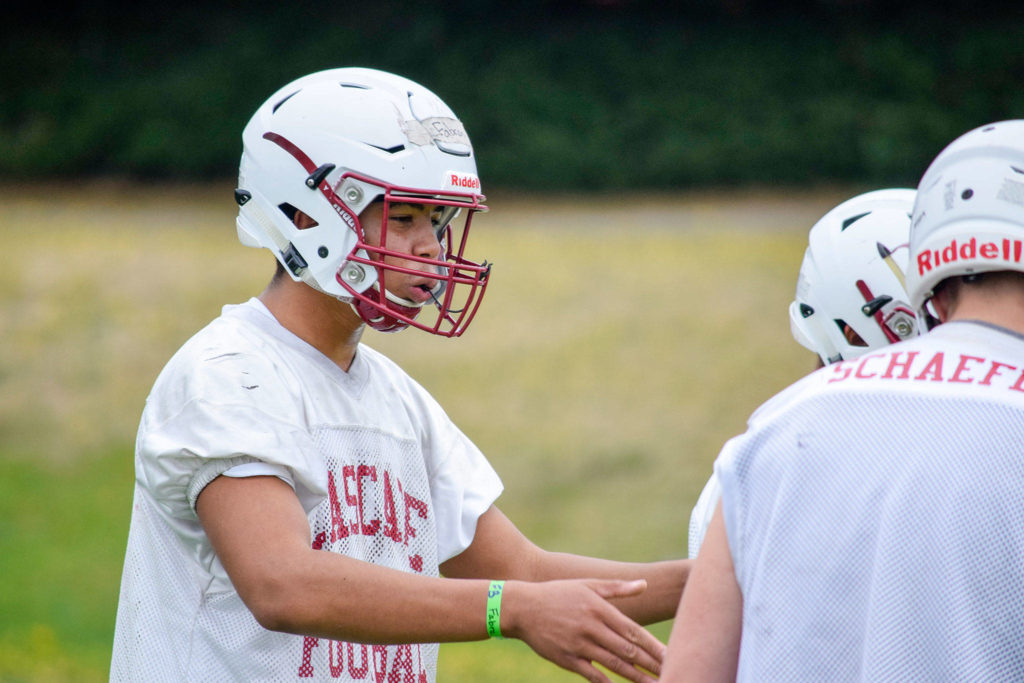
(571, 623)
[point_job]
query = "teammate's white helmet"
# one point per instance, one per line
(969, 213)
(331, 143)
(852, 274)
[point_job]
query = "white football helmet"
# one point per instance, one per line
(331, 143)
(852, 274)
(969, 213)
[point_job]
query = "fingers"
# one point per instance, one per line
(626, 646)
(628, 640)
(572, 623)
(588, 670)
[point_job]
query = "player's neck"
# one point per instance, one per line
(1004, 308)
(328, 325)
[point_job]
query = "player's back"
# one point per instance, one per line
(876, 517)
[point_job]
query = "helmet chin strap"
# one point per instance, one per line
(405, 303)
(437, 302)
(379, 317)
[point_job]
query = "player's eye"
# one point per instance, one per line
(401, 218)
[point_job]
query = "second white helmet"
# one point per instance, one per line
(853, 275)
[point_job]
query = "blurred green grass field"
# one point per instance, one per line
(622, 340)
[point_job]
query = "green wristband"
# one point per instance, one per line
(494, 609)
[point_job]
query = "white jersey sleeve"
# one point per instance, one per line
(212, 410)
(707, 502)
(700, 518)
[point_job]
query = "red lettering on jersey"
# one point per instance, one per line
(1019, 384)
(403, 660)
(403, 667)
(962, 366)
(306, 667)
(380, 663)
(349, 472)
(338, 527)
(413, 503)
(894, 362)
(365, 498)
(391, 529)
(358, 672)
(860, 366)
(337, 668)
(934, 368)
(363, 472)
(994, 370)
(843, 369)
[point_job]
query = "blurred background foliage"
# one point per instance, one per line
(556, 94)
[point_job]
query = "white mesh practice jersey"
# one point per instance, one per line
(875, 515)
(382, 472)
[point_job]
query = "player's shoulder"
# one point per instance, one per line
(229, 353)
(224, 338)
(787, 397)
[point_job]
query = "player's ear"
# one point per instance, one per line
(303, 221)
(852, 338)
(943, 301)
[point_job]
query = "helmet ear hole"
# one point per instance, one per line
(299, 219)
(852, 338)
(288, 210)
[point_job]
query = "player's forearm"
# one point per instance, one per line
(665, 581)
(339, 598)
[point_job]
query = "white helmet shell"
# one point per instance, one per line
(852, 274)
(969, 213)
(329, 144)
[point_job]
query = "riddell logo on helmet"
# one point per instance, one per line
(1009, 251)
(462, 181)
(345, 216)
